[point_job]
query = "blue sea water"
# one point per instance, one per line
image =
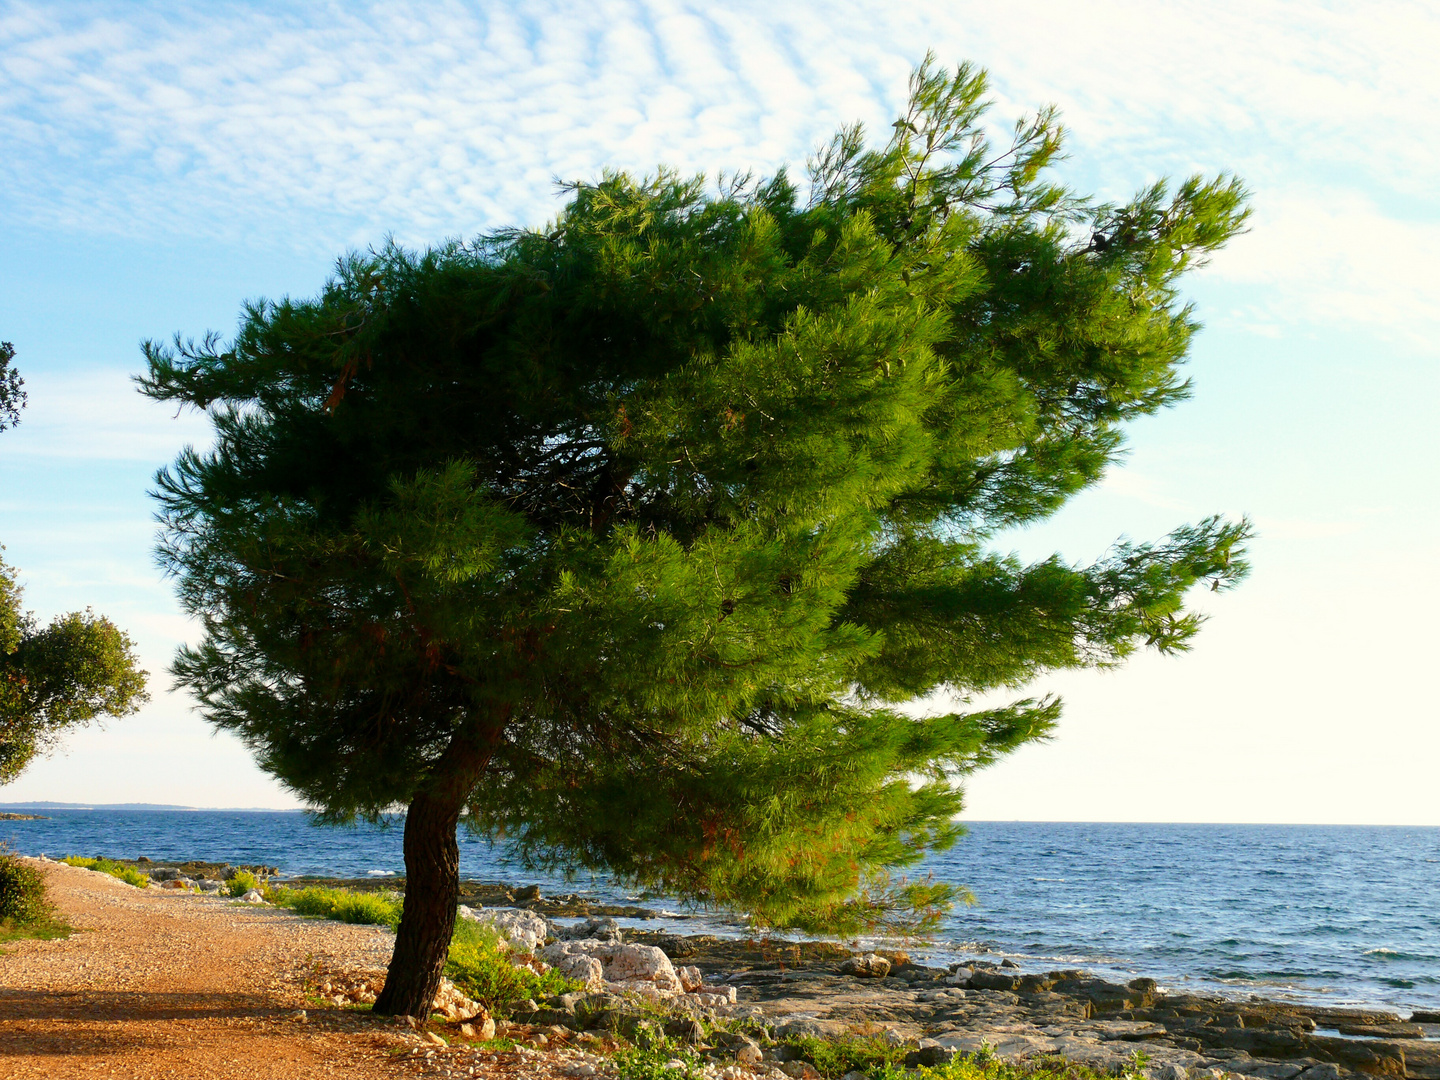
(1333, 914)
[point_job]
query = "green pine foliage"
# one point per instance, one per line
(634, 533)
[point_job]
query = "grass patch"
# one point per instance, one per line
(481, 971)
(375, 909)
(127, 874)
(46, 928)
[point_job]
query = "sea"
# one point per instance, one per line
(1333, 915)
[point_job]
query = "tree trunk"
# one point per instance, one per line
(432, 883)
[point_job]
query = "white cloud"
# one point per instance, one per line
(430, 120)
(387, 112)
(96, 416)
(1322, 259)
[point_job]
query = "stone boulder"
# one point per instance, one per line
(522, 930)
(690, 978)
(451, 1003)
(599, 929)
(583, 968)
(631, 967)
(869, 966)
(253, 897)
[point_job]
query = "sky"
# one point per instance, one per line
(161, 164)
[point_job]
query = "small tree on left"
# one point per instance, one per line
(52, 678)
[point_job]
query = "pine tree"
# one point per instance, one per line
(628, 537)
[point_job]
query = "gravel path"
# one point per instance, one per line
(161, 984)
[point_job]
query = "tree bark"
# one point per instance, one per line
(432, 883)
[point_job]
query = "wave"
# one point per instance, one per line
(1399, 954)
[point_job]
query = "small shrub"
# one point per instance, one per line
(241, 883)
(860, 1053)
(22, 892)
(483, 972)
(654, 1063)
(470, 932)
(127, 874)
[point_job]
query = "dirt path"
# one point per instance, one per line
(158, 984)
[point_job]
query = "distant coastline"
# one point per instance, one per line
(42, 805)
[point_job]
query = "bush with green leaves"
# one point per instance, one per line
(343, 905)
(127, 874)
(22, 892)
(482, 971)
(241, 883)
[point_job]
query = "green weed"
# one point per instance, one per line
(857, 1053)
(984, 1067)
(654, 1062)
(480, 969)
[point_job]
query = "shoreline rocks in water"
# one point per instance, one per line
(797, 990)
(817, 990)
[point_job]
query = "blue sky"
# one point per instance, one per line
(161, 164)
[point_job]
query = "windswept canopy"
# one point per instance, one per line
(637, 530)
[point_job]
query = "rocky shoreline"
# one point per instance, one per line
(752, 1003)
(1018, 1015)
(781, 993)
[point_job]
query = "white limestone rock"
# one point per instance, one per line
(520, 929)
(631, 967)
(584, 969)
